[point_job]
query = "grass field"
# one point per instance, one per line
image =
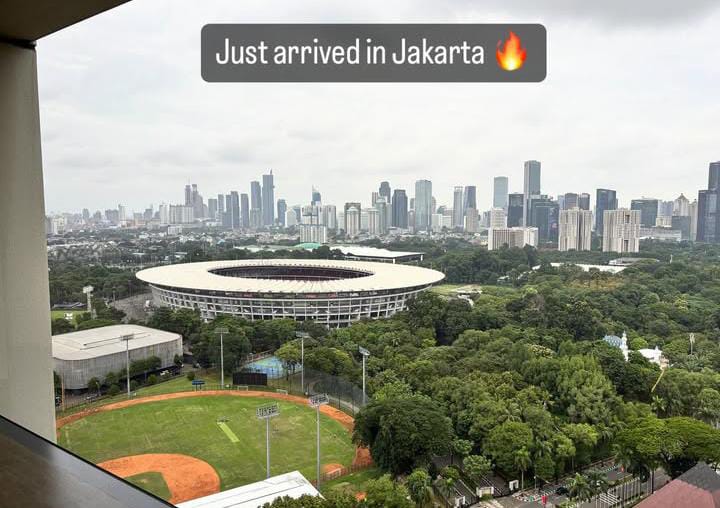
(353, 483)
(152, 482)
(189, 426)
(60, 314)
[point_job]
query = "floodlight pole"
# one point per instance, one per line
(222, 331)
(365, 353)
(127, 339)
(265, 413)
(301, 336)
(316, 401)
(267, 446)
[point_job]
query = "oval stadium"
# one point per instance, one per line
(329, 292)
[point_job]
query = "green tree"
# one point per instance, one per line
(61, 325)
(418, 485)
(94, 385)
(290, 355)
(579, 489)
(384, 493)
(403, 433)
(505, 441)
(477, 466)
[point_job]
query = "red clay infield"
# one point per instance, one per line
(187, 477)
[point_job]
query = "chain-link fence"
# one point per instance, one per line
(343, 394)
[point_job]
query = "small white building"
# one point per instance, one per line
(80, 356)
(255, 495)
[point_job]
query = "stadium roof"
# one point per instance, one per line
(373, 252)
(383, 276)
(96, 342)
(254, 495)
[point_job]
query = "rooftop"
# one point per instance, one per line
(698, 487)
(257, 494)
(369, 276)
(96, 342)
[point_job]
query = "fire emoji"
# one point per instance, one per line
(512, 57)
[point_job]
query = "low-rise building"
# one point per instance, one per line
(80, 356)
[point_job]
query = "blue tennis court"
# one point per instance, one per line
(272, 366)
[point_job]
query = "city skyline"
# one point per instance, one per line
(132, 122)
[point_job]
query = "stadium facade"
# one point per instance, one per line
(330, 292)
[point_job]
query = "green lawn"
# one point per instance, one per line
(60, 314)
(153, 483)
(352, 483)
(189, 426)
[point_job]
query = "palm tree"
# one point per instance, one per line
(522, 462)
(658, 404)
(597, 482)
(579, 489)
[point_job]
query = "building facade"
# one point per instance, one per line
(575, 231)
(621, 230)
(605, 199)
(329, 292)
(500, 192)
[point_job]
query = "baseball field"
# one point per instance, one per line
(181, 446)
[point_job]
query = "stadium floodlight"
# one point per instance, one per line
(365, 353)
(316, 401)
(302, 336)
(222, 330)
(127, 339)
(265, 413)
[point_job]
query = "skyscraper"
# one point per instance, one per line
(255, 199)
(621, 230)
(571, 201)
(268, 199)
(316, 197)
(355, 216)
(244, 211)
(385, 191)
(383, 218)
(235, 208)
(458, 210)
(531, 185)
(708, 208)
(605, 199)
(575, 232)
(469, 198)
(544, 215)
(648, 209)
(281, 209)
(213, 208)
(500, 192)
(220, 206)
(399, 209)
(515, 208)
(423, 204)
(584, 201)
(352, 220)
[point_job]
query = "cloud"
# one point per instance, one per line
(127, 118)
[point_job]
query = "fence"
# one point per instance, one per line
(343, 394)
(342, 471)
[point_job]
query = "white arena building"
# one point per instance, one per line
(333, 293)
(80, 356)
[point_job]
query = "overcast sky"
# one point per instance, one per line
(630, 102)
